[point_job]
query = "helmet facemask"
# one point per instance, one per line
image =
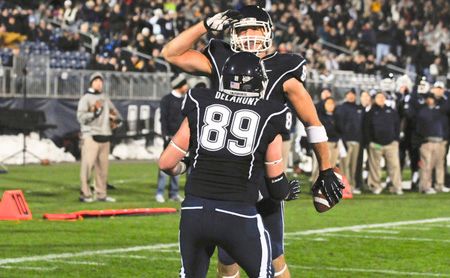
(251, 43)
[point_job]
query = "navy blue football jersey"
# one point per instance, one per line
(228, 142)
(279, 68)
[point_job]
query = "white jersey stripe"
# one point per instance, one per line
(187, 208)
(281, 76)
(214, 62)
(182, 271)
(236, 214)
(265, 251)
(198, 129)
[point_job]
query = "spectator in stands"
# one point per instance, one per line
(350, 123)
(97, 116)
(381, 129)
(117, 20)
(70, 13)
(171, 119)
(432, 128)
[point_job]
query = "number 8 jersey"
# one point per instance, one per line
(229, 136)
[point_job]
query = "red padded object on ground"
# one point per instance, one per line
(108, 212)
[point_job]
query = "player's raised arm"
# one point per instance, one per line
(170, 159)
(180, 52)
(327, 181)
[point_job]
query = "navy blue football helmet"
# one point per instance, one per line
(243, 74)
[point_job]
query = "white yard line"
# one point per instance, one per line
(28, 268)
(86, 253)
(368, 226)
(364, 270)
(126, 256)
(391, 238)
(149, 257)
(378, 231)
(439, 226)
(76, 262)
(158, 247)
(411, 228)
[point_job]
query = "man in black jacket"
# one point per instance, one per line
(171, 119)
(350, 122)
(382, 130)
(431, 126)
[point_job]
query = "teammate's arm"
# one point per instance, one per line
(279, 186)
(180, 53)
(306, 111)
(170, 159)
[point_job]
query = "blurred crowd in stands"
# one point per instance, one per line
(358, 35)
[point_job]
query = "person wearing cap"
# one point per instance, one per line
(97, 116)
(171, 119)
(382, 131)
(433, 131)
(350, 122)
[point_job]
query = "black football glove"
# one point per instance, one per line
(294, 190)
(221, 21)
(330, 186)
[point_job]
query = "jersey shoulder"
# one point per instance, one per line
(196, 98)
(290, 65)
(217, 47)
(278, 115)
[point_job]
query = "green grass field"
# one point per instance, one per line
(412, 238)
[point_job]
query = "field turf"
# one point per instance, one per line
(368, 236)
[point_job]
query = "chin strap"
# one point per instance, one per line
(281, 271)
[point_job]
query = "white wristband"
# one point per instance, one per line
(316, 134)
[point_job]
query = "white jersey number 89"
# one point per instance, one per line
(243, 127)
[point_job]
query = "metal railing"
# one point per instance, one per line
(6, 83)
(42, 81)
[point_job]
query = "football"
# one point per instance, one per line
(321, 203)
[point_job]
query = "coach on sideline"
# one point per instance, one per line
(97, 116)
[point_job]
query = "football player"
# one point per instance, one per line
(252, 30)
(234, 138)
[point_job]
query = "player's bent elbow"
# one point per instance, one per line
(165, 164)
(165, 54)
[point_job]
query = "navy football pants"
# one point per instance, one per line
(236, 227)
(272, 213)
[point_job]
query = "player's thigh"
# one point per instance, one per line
(272, 213)
(246, 241)
(195, 246)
